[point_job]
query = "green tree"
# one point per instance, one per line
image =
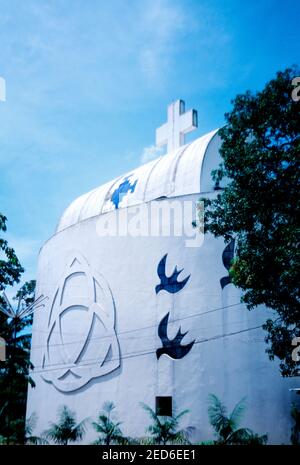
(66, 429)
(15, 370)
(108, 428)
(165, 430)
(23, 434)
(13, 392)
(10, 267)
(226, 426)
(259, 207)
(29, 437)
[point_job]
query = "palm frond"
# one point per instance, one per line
(181, 414)
(66, 429)
(36, 441)
(217, 413)
(164, 428)
(245, 436)
(237, 413)
(30, 424)
(148, 409)
(79, 429)
(108, 407)
(108, 429)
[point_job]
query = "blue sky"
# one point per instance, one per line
(88, 81)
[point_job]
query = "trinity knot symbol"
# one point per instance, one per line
(81, 343)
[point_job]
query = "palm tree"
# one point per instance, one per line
(30, 438)
(15, 370)
(23, 432)
(227, 427)
(108, 428)
(66, 430)
(165, 430)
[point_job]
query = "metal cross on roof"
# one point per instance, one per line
(179, 123)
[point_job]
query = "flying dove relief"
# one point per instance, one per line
(172, 347)
(169, 284)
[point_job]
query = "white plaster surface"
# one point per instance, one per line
(228, 357)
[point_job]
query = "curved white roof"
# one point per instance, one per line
(177, 173)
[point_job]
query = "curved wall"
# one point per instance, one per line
(98, 336)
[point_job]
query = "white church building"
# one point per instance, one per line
(140, 307)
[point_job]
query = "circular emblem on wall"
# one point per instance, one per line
(81, 342)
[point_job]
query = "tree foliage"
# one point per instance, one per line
(14, 371)
(66, 429)
(165, 430)
(227, 427)
(10, 267)
(259, 207)
(108, 428)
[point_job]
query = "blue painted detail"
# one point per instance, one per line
(169, 284)
(123, 189)
(227, 257)
(172, 347)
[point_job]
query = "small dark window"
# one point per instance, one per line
(164, 406)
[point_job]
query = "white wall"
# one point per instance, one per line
(231, 367)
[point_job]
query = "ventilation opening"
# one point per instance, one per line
(163, 406)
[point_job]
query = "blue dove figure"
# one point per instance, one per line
(172, 347)
(169, 284)
(122, 190)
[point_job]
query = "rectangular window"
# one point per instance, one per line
(163, 406)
